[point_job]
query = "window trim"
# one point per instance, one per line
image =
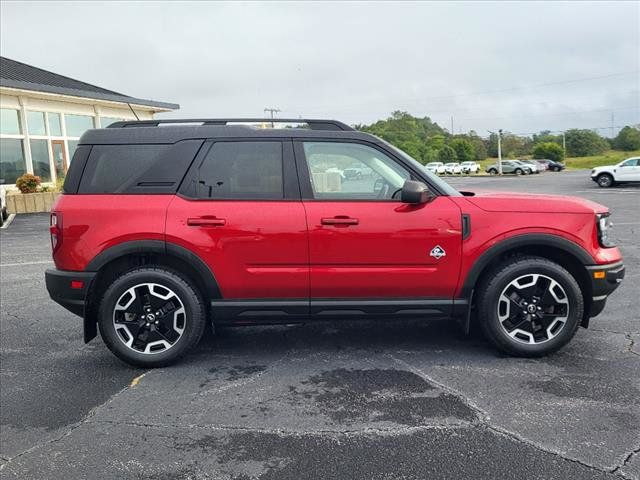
(305, 180)
(290, 182)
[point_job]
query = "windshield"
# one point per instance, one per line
(443, 186)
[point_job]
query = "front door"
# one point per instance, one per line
(629, 171)
(239, 210)
(59, 158)
(363, 242)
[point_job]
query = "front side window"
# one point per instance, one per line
(350, 171)
(630, 163)
(241, 170)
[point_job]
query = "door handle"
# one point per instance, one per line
(339, 220)
(206, 222)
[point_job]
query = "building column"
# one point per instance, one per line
(26, 146)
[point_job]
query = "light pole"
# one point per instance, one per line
(500, 152)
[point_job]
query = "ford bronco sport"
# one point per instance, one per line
(168, 226)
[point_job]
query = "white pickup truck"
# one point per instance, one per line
(626, 171)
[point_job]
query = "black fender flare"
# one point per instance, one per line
(522, 240)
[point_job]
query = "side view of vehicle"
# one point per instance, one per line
(551, 165)
(533, 166)
(163, 232)
(470, 167)
(509, 167)
(435, 167)
(452, 168)
(626, 171)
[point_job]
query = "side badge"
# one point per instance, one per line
(438, 252)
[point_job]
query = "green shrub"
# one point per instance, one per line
(550, 150)
(447, 154)
(28, 183)
(628, 139)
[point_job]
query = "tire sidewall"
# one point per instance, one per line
(608, 183)
(489, 315)
(194, 316)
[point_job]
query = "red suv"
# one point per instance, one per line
(167, 226)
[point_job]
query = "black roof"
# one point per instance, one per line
(175, 133)
(14, 74)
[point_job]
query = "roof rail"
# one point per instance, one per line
(313, 124)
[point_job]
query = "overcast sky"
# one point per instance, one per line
(522, 67)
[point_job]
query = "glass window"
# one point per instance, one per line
(242, 170)
(353, 172)
(72, 144)
(40, 159)
(106, 121)
(35, 123)
(9, 123)
(117, 168)
(77, 124)
(12, 164)
(630, 163)
(55, 124)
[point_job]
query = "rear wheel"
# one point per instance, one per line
(150, 317)
(492, 171)
(530, 306)
(519, 171)
(605, 180)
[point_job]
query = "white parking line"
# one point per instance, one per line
(43, 262)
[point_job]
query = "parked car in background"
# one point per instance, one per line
(435, 167)
(452, 168)
(626, 171)
(509, 166)
(470, 167)
(551, 164)
(535, 168)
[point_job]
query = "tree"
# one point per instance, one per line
(627, 139)
(583, 143)
(464, 149)
(550, 150)
(447, 154)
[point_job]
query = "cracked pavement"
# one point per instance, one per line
(340, 400)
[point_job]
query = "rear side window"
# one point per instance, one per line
(240, 170)
(157, 168)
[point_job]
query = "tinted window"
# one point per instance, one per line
(241, 170)
(351, 171)
(137, 168)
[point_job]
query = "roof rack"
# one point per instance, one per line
(313, 124)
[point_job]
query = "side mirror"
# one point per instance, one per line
(415, 192)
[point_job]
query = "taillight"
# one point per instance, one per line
(55, 228)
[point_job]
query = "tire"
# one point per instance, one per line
(492, 171)
(528, 335)
(518, 171)
(141, 335)
(605, 180)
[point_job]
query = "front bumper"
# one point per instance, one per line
(604, 280)
(69, 289)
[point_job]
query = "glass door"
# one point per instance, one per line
(59, 158)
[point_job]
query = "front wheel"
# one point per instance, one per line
(492, 171)
(519, 171)
(605, 180)
(530, 306)
(150, 317)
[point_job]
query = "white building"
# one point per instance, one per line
(43, 115)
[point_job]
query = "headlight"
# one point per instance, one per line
(604, 224)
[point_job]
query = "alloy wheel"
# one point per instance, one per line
(533, 309)
(149, 318)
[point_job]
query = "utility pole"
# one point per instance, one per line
(613, 120)
(500, 152)
(272, 111)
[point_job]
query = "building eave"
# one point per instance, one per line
(84, 96)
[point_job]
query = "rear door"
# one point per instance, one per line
(364, 242)
(239, 210)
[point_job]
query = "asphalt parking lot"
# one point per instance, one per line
(340, 400)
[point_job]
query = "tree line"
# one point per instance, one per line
(427, 142)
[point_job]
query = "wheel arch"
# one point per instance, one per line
(570, 256)
(133, 254)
